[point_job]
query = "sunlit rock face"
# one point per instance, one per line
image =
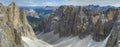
(79, 21)
(13, 25)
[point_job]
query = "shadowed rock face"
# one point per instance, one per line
(13, 25)
(72, 21)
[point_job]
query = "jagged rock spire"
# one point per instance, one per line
(13, 25)
(13, 4)
(1, 4)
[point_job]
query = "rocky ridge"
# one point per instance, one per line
(71, 21)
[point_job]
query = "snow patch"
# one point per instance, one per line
(34, 42)
(103, 43)
(55, 41)
(74, 42)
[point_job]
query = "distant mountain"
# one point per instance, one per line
(35, 14)
(42, 10)
(50, 7)
(97, 7)
(45, 10)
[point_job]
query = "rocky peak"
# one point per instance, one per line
(13, 4)
(13, 25)
(13, 14)
(1, 4)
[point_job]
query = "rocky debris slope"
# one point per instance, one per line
(79, 21)
(13, 25)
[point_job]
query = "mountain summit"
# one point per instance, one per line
(13, 25)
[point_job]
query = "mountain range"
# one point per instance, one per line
(64, 26)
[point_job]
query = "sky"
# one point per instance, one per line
(62, 2)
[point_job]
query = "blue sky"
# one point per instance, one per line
(61, 2)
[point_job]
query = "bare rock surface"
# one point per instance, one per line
(13, 25)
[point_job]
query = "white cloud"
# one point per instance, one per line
(50, 4)
(116, 4)
(62, 2)
(96, 2)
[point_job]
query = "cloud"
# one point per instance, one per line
(62, 2)
(50, 3)
(96, 2)
(77, 2)
(116, 4)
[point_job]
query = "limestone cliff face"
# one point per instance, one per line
(72, 21)
(115, 35)
(13, 25)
